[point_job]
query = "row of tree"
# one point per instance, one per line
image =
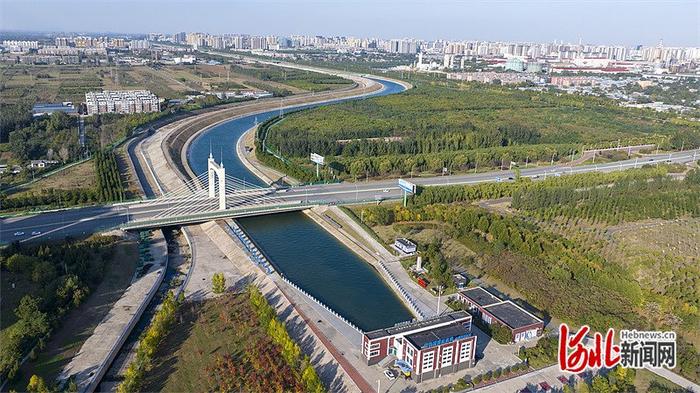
(50, 197)
(552, 272)
(290, 350)
(160, 327)
(435, 117)
(109, 184)
(628, 199)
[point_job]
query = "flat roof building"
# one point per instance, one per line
(405, 245)
(429, 348)
(121, 101)
(49, 108)
(491, 309)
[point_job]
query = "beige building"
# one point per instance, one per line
(122, 101)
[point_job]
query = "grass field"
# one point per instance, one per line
(643, 378)
(53, 83)
(206, 332)
(79, 324)
(78, 176)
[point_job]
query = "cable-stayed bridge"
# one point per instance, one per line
(197, 202)
(209, 196)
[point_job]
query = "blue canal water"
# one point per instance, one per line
(299, 248)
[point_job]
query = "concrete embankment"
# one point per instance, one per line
(371, 255)
(99, 350)
(243, 270)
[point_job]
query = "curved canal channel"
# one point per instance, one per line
(300, 249)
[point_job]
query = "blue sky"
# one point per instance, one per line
(628, 22)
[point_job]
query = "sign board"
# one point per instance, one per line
(318, 159)
(407, 186)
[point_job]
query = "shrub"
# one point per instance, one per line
(218, 283)
(477, 379)
(497, 373)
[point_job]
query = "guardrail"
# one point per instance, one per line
(411, 302)
(208, 216)
(193, 258)
(253, 251)
(262, 262)
(320, 303)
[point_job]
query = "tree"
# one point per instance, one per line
(600, 384)
(32, 320)
(218, 283)
(37, 385)
(501, 333)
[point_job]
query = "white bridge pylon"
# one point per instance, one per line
(210, 192)
(216, 172)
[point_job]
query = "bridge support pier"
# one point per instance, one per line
(217, 174)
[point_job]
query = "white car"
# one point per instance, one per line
(386, 190)
(35, 233)
(390, 374)
(19, 233)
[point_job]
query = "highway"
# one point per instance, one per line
(81, 221)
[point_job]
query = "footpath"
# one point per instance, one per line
(93, 359)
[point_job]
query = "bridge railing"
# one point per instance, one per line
(211, 215)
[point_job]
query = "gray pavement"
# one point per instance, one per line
(97, 352)
(73, 222)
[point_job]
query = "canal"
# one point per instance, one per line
(300, 249)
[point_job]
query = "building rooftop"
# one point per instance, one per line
(480, 296)
(512, 315)
(438, 336)
(405, 242)
(426, 323)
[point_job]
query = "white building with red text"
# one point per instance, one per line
(433, 347)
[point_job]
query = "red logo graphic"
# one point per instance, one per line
(575, 357)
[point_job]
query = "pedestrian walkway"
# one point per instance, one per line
(97, 353)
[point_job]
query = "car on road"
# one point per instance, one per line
(535, 176)
(390, 374)
(498, 180)
(36, 233)
(545, 386)
(20, 233)
(563, 379)
(386, 190)
(557, 174)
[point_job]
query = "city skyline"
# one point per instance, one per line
(594, 22)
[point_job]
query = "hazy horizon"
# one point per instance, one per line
(621, 22)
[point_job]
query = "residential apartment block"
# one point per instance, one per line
(122, 101)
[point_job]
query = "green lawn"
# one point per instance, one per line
(220, 328)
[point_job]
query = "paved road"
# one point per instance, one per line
(76, 222)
